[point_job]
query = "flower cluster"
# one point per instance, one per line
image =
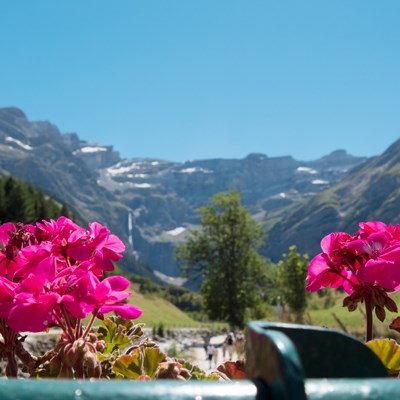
(366, 265)
(52, 274)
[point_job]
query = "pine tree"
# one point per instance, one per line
(20, 202)
(15, 200)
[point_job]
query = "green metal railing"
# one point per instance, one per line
(124, 390)
(305, 362)
(283, 362)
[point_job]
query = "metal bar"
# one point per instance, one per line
(353, 389)
(59, 389)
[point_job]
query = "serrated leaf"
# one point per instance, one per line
(130, 365)
(388, 352)
(136, 331)
(152, 358)
(121, 340)
(114, 335)
(106, 333)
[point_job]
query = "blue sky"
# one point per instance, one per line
(191, 79)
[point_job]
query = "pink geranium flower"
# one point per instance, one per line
(7, 289)
(366, 228)
(328, 269)
(109, 295)
(31, 258)
(56, 231)
(383, 270)
(98, 245)
(382, 259)
(53, 274)
(5, 231)
(366, 264)
(32, 312)
(90, 294)
(13, 238)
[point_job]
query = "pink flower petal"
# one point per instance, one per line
(117, 283)
(5, 230)
(126, 311)
(32, 313)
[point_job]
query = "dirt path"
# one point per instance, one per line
(198, 356)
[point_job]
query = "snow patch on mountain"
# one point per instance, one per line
(319, 182)
(91, 149)
(19, 143)
(177, 231)
(306, 170)
(195, 169)
(119, 169)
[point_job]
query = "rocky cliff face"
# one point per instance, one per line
(38, 153)
(152, 203)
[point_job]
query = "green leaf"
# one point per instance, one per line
(107, 331)
(114, 335)
(130, 365)
(388, 352)
(152, 357)
(141, 361)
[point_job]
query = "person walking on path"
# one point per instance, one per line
(224, 350)
(215, 356)
(229, 344)
(210, 353)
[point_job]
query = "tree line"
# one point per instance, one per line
(21, 202)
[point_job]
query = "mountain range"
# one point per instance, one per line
(151, 203)
(371, 191)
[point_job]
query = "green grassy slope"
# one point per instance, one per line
(157, 310)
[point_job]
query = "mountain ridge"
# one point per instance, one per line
(370, 192)
(159, 197)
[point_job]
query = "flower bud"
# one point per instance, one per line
(90, 359)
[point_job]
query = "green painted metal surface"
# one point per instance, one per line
(285, 356)
(125, 390)
(271, 358)
(353, 389)
(326, 353)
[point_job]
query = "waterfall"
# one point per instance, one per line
(130, 229)
(130, 234)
